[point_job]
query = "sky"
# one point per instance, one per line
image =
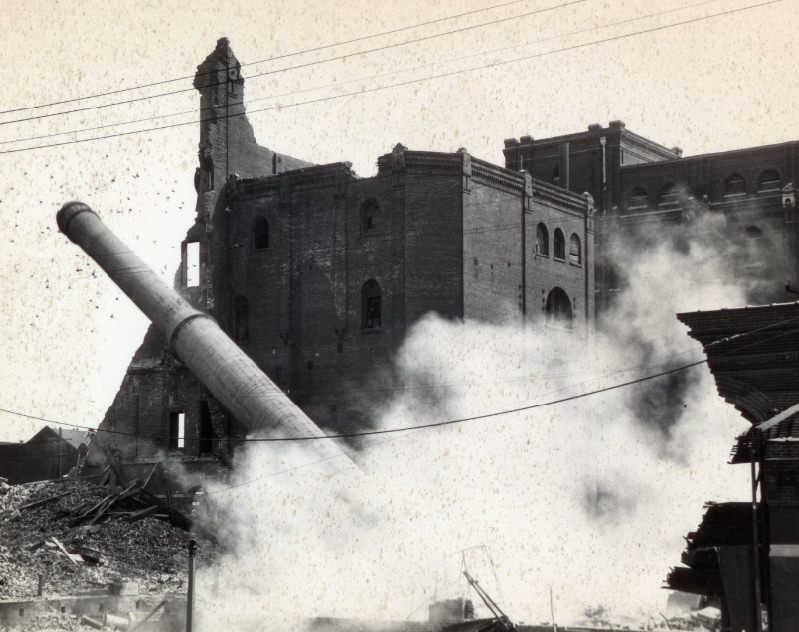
(68, 333)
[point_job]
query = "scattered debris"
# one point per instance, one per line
(80, 536)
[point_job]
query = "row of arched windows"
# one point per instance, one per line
(558, 245)
(735, 184)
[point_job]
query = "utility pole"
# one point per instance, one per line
(190, 592)
(60, 442)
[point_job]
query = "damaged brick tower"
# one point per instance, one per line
(159, 400)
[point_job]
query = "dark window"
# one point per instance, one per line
(638, 198)
(769, 181)
(177, 430)
(667, 195)
(556, 176)
(206, 429)
(274, 164)
(542, 240)
(559, 244)
(241, 319)
(735, 185)
(575, 250)
(370, 211)
(370, 305)
(260, 233)
(559, 308)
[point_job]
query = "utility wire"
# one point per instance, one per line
(448, 422)
(259, 99)
(269, 59)
(299, 66)
(404, 83)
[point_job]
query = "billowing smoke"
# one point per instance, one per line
(589, 497)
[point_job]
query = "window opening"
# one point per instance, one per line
(371, 317)
(575, 250)
(206, 429)
(260, 230)
(177, 430)
(193, 264)
(735, 185)
(542, 240)
(559, 309)
(769, 181)
(560, 244)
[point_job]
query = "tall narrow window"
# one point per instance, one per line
(241, 319)
(193, 264)
(177, 430)
(559, 244)
(260, 233)
(371, 316)
(206, 429)
(575, 250)
(542, 240)
(735, 185)
(370, 213)
(769, 181)
(556, 176)
(274, 164)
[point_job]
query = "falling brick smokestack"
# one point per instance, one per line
(234, 379)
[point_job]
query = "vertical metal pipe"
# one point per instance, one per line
(756, 593)
(190, 591)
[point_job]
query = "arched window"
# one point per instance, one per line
(241, 319)
(735, 185)
(575, 250)
(559, 309)
(769, 181)
(370, 211)
(638, 198)
(559, 244)
(667, 195)
(371, 317)
(260, 233)
(542, 240)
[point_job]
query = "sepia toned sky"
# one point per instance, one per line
(68, 333)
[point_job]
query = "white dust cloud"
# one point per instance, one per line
(591, 497)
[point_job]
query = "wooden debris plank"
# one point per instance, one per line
(143, 513)
(178, 518)
(150, 475)
(41, 501)
(73, 557)
(88, 512)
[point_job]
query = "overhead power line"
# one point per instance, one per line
(404, 83)
(268, 59)
(258, 99)
(448, 422)
(304, 65)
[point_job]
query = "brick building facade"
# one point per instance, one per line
(319, 274)
(639, 185)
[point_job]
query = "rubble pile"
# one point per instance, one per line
(68, 536)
